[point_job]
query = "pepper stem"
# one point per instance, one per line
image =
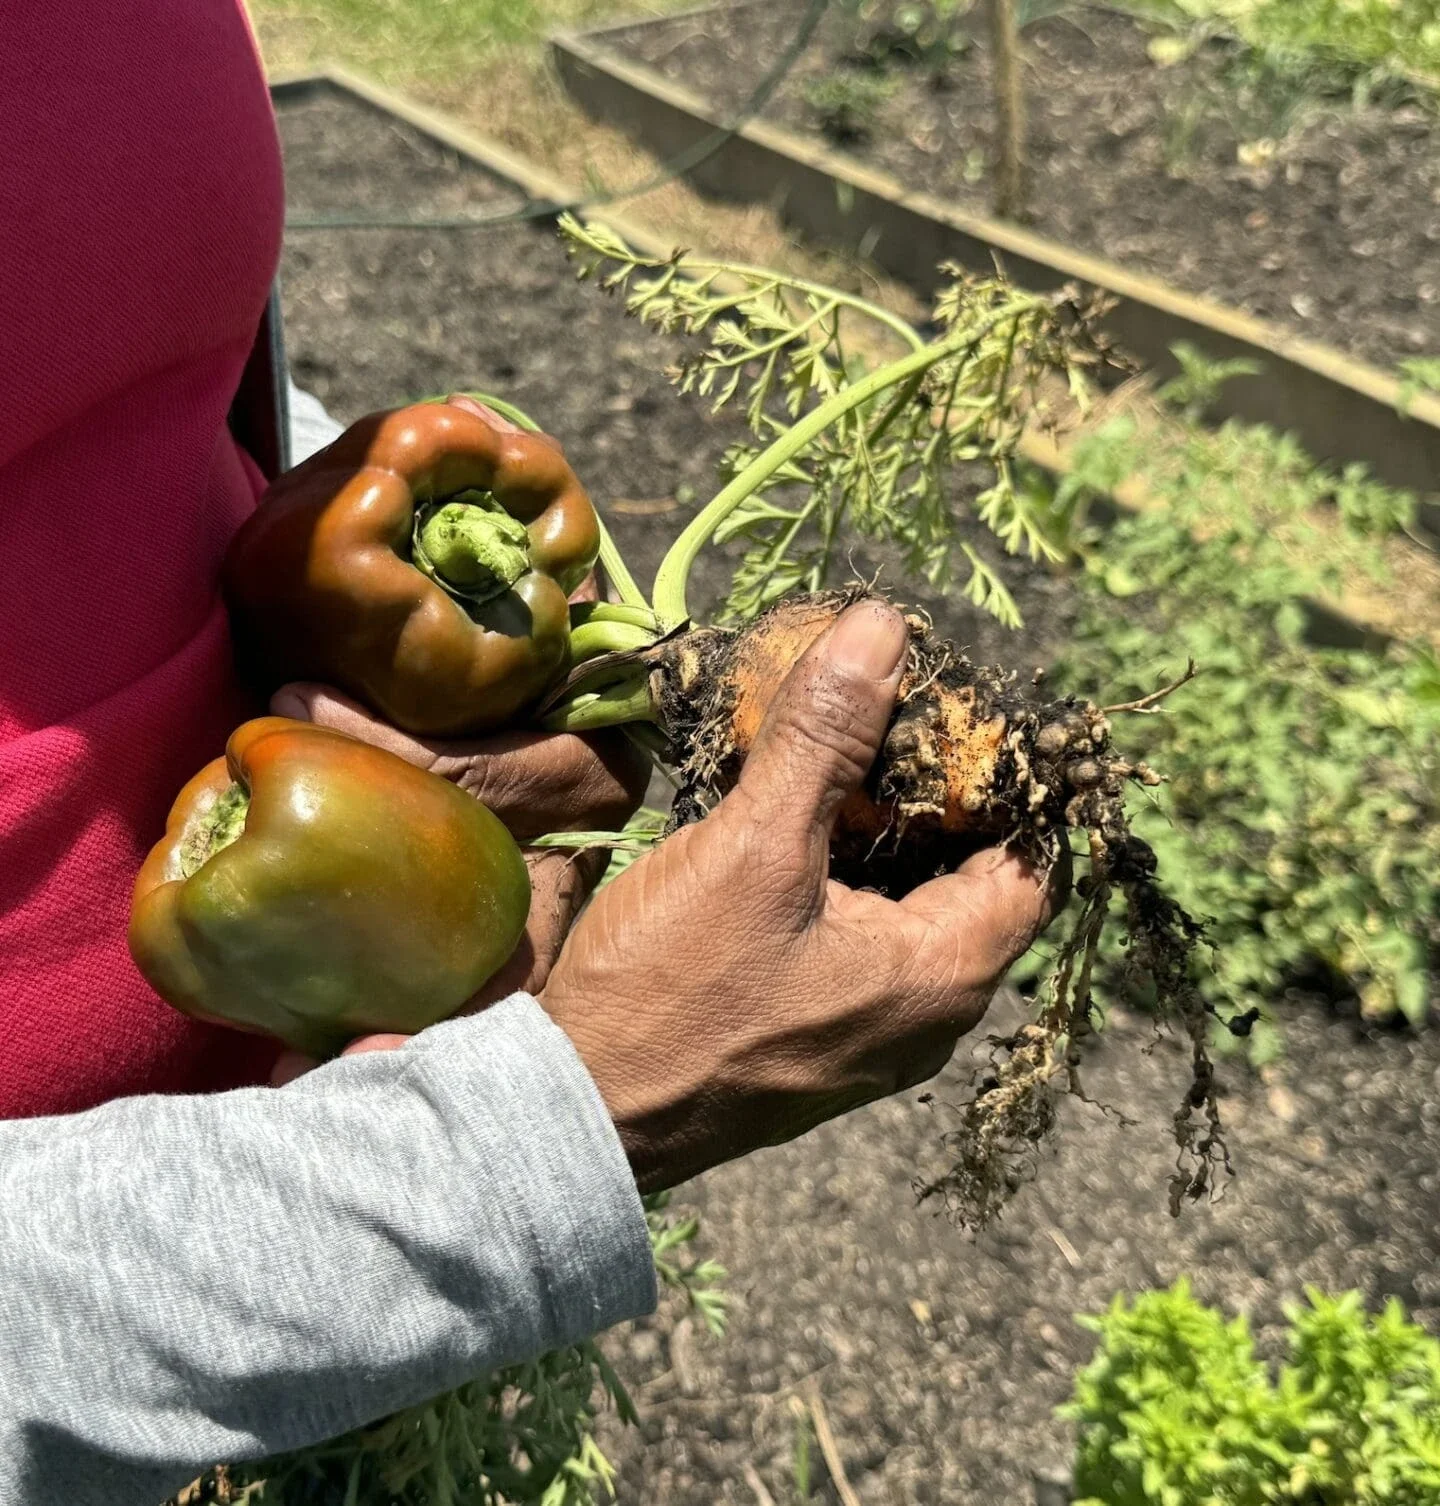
(611, 562)
(220, 825)
(626, 700)
(471, 546)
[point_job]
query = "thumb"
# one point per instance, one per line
(828, 719)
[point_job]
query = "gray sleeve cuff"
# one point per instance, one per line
(566, 1167)
(194, 1279)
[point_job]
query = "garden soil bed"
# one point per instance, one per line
(1335, 234)
(939, 1358)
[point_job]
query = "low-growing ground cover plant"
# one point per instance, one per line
(1176, 1409)
(1301, 818)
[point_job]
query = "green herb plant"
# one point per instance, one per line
(1301, 816)
(1176, 1410)
(840, 444)
(847, 103)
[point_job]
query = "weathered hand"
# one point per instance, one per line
(725, 993)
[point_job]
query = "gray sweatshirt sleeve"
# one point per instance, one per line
(311, 427)
(189, 1280)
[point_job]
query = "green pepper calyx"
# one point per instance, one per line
(219, 825)
(471, 546)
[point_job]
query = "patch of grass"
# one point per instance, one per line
(402, 41)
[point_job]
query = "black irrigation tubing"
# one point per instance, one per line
(547, 209)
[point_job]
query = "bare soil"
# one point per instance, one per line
(1303, 210)
(938, 1358)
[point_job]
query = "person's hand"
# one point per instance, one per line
(535, 782)
(725, 993)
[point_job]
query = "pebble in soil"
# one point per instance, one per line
(939, 1357)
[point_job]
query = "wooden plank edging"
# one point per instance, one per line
(1341, 409)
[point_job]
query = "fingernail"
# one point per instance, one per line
(288, 702)
(868, 641)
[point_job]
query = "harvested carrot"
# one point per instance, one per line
(970, 760)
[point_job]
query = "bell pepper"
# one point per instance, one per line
(422, 562)
(312, 887)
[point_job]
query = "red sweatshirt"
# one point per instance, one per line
(140, 223)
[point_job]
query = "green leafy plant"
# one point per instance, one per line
(1198, 384)
(1175, 1409)
(1301, 819)
(847, 103)
(1258, 69)
(1417, 375)
(924, 34)
(1357, 38)
(836, 446)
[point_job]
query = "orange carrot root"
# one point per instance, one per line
(971, 761)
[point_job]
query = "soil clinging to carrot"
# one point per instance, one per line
(972, 760)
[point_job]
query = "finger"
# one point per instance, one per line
(539, 782)
(985, 916)
(587, 590)
(291, 1064)
(827, 721)
(364, 1044)
(534, 781)
(327, 707)
(468, 404)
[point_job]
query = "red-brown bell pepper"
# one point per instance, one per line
(422, 562)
